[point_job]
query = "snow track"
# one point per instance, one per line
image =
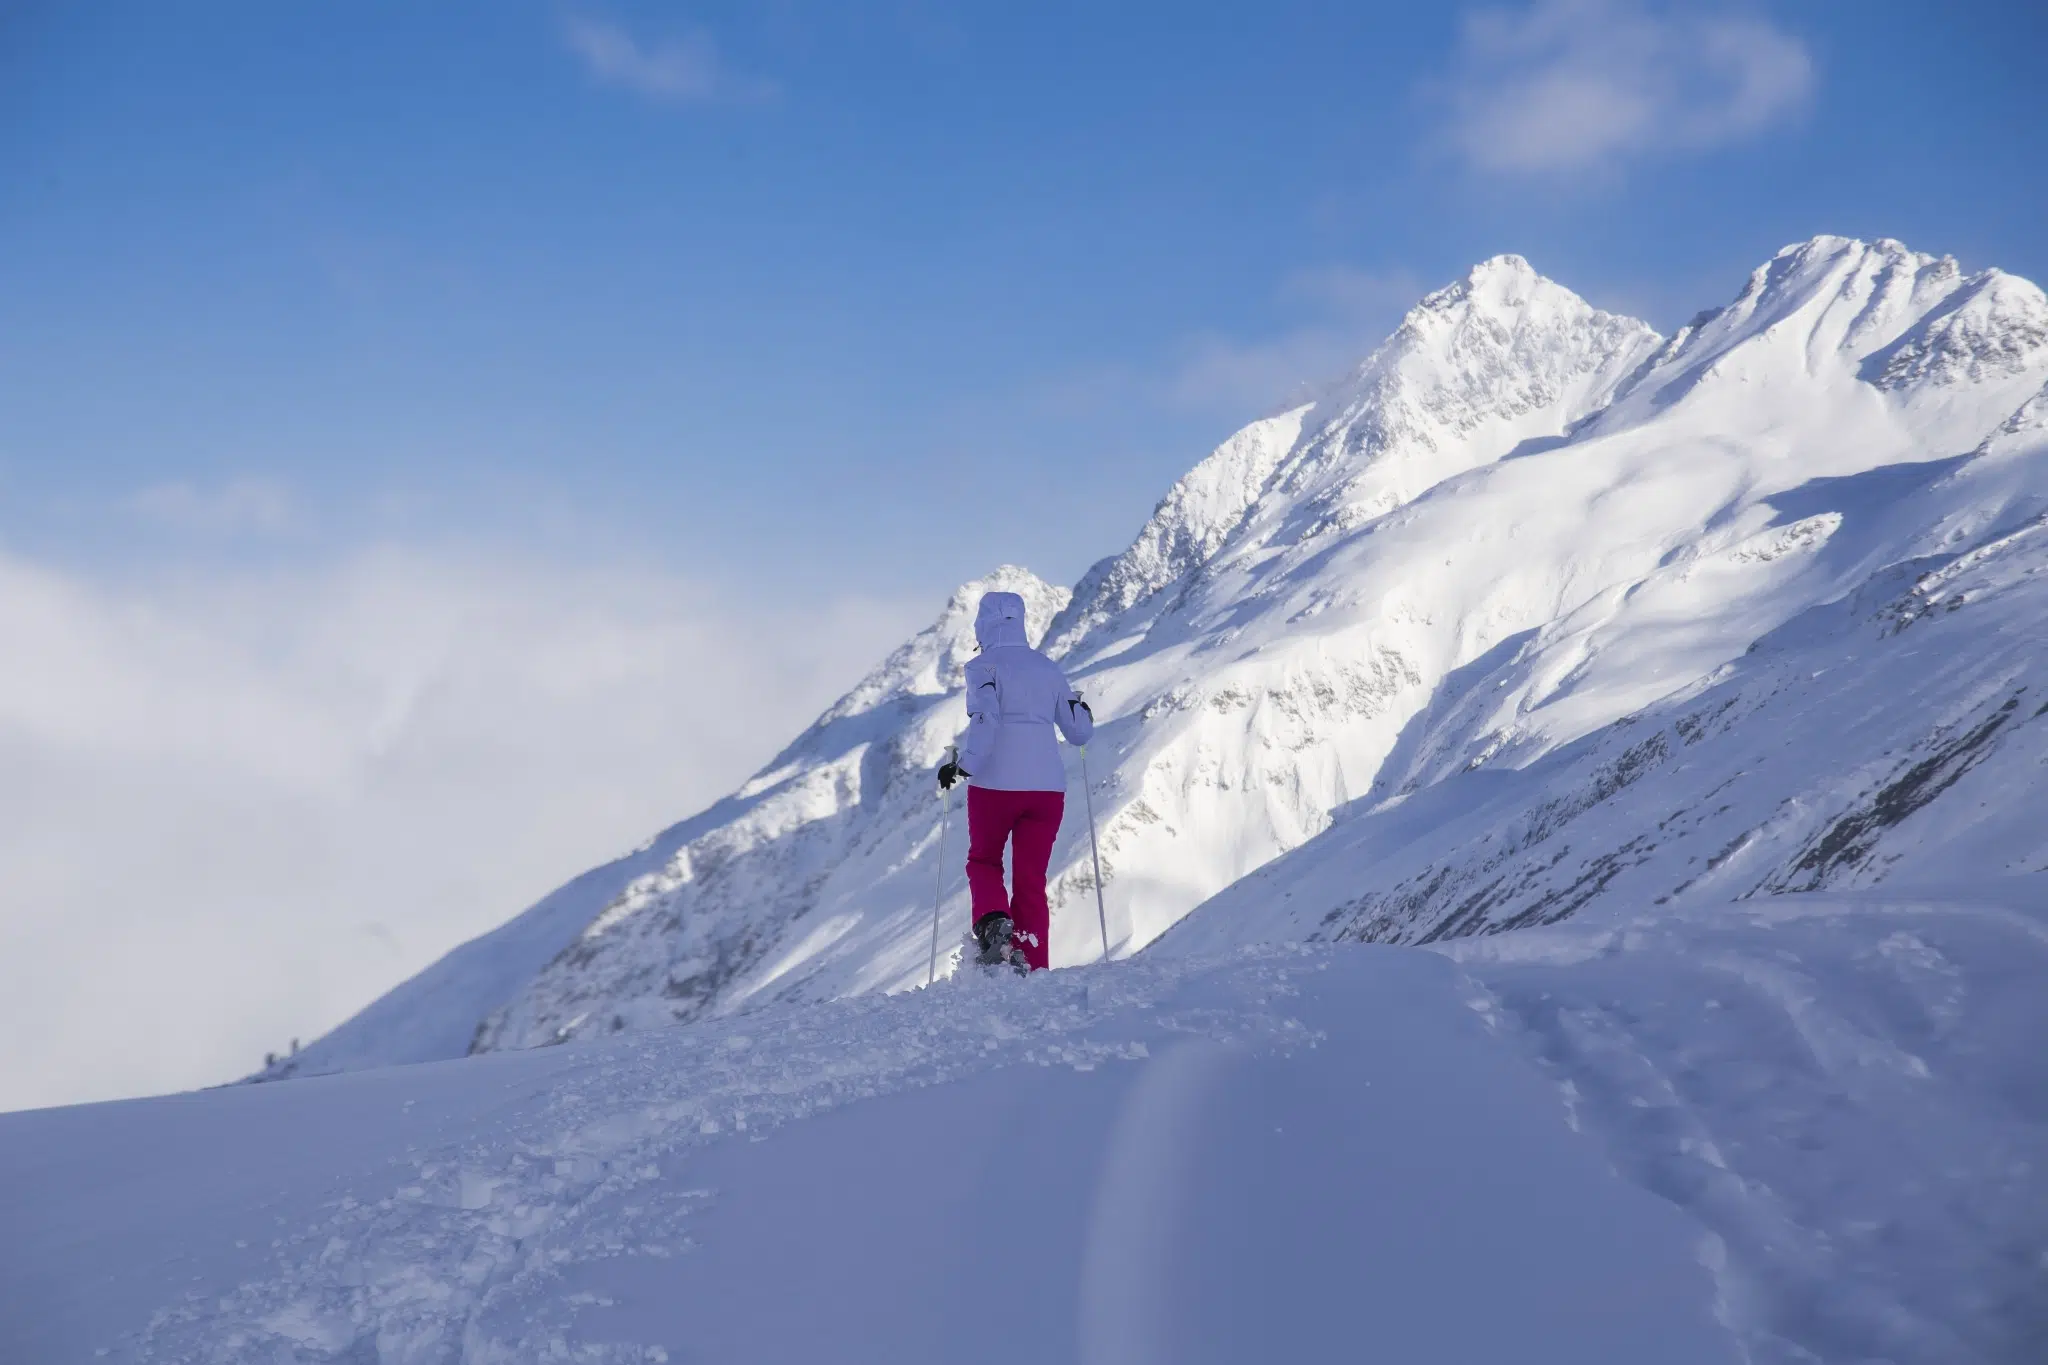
(464, 1254)
(1845, 1089)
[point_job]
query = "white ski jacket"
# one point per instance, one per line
(1016, 699)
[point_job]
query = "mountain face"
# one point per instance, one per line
(1535, 614)
(1885, 719)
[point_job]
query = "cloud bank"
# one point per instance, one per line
(236, 807)
(1570, 86)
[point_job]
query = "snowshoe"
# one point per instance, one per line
(995, 945)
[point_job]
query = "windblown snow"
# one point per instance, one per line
(1682, 695)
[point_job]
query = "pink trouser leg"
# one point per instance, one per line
(988, 829)
(1032, 820)
(1038, 824)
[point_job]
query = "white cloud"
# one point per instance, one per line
(1350, 312)
(240, 506)
(1569, 86)
(234, 808)
(685, 69)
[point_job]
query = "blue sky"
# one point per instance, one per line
(774, 291)
(441, 444)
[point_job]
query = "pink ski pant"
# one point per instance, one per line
(1028, 822)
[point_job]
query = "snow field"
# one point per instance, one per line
(1280, 1154)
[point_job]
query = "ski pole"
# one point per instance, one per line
(939, 895)
(1095, 852)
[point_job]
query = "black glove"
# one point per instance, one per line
(949, 773)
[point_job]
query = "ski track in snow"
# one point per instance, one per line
(1845, 1089)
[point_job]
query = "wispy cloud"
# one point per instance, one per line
(682, 69)
(235, 508)
(1347, 313)
(1335, 316)
(1571, 86)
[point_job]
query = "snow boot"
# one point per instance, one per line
(995, 944)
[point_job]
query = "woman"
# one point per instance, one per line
(1016, 784)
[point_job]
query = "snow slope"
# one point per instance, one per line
(1898, 734)
(1810, 1129)
(1173, 1162)
(1844, 1088)
(1519, 522)
(437, 1013)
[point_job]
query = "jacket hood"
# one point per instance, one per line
(1000, 620)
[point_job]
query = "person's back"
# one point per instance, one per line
(1015, 697)
(1017, 702)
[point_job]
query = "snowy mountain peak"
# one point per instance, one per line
(1190, 523)
(1475, 369)
(1499, 283)
(1507, 264)
(1857, 295)
(930, 663)
(1991, 326)
(1499, 344)
(1504, 292)
(1871, 319)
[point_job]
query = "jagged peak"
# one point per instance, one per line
(1826, 253)
(1508, 262)
(1506, 268)
(2003, 285)
(953, 631)
(1498, 302)
(1003, 578)
(1497, 284)
(1503, 342)
(1827, 245)
(1194, 518)
(1991, 326)
(1904, 316)
(1502, 295)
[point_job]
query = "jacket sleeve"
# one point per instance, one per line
(1072, 715)
(984, 713)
